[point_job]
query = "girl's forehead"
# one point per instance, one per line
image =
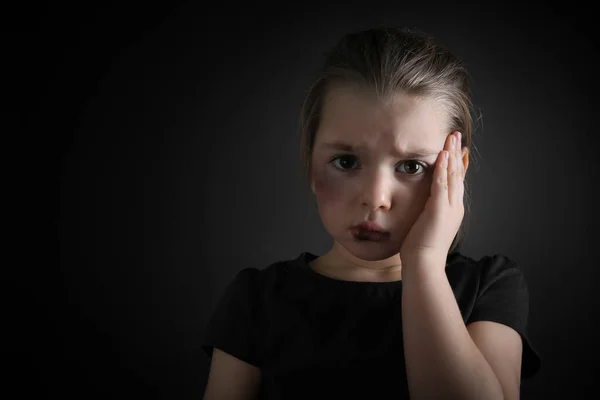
(358, 116)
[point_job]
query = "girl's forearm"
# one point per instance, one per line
(442, 361)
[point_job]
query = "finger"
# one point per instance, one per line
(461, 169)
(448, 145)
(460, 165)
(443, 183)
(453, 174)
(439, 187)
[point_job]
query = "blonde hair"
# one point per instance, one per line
(390, 61)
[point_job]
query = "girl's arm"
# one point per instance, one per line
(442, 360)
(232, 379)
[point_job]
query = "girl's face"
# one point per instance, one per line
(374, 161)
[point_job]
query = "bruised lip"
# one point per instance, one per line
(369, 227)
(370, 231)
(367, 235)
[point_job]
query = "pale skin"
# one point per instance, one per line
(444, 358)
(373, 185)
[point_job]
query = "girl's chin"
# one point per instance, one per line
(370, 250)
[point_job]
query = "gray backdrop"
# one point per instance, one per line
(173, 132)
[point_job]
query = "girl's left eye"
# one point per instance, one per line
(418, 164)
(349, 158)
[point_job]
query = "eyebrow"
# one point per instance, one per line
(417, 152)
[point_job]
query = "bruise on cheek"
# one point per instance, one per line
(328, 188)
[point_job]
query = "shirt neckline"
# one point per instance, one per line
(306, 257)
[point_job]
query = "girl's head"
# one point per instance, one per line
(388, 93)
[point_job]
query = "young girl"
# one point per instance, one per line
(393, 309)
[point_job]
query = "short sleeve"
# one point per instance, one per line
(232, 326)
(503, 297)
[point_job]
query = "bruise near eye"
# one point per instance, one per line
(328, 187)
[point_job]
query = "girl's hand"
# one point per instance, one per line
(433, 232)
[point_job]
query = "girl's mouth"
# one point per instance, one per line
(374, 236)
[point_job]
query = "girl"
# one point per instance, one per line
(393, 309)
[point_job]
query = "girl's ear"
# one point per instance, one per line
(465, 158)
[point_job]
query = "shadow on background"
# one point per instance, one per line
(164, 124)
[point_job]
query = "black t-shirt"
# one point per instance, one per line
(313, 335)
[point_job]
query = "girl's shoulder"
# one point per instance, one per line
(486, 265)
(496, 270)
(271, 274)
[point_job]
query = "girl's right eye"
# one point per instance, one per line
(344, 164)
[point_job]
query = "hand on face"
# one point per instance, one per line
(432, 234)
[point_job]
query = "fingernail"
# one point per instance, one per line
(452, 141)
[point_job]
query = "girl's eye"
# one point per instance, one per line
(346, 162)
(414, 163)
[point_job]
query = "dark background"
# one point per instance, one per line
(169, 139)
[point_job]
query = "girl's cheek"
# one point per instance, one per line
(329, 188)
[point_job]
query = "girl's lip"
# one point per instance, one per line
(363, 234)
(370, 227)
